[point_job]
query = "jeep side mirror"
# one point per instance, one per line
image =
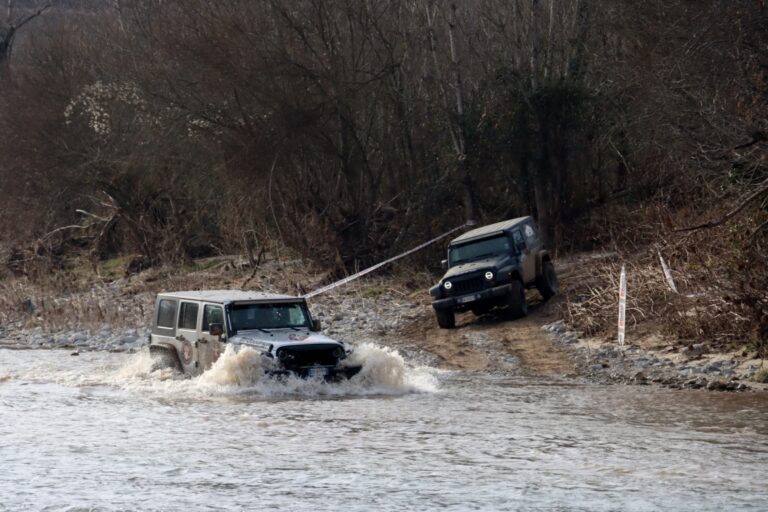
(520, 245)
(315, 325)
(444, 264)
(216, 329)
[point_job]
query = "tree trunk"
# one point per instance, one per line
(8, 34)
(543, 208)
(6, 40)
(464, 170)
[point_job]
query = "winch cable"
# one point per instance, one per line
(385, 262)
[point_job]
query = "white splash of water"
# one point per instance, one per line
(138, 365)
(237, 372)
(242, 371)
(243, 368)
(385, 369)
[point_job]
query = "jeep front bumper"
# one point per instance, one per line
(326, 373)
(469, 298)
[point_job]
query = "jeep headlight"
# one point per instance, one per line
(447, 285)
(489, 275)
(284, 355)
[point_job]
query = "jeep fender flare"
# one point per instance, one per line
(514, 274)
(166, 349)
(541, 258)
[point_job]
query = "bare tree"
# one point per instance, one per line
(9, 28)
(457, 122)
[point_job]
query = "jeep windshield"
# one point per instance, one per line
(248, 317)
(479, 249)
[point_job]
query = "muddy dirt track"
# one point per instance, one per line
(488, 341)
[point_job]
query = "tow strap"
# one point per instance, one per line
(385, 262)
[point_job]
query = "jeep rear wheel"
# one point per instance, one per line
(547, 282)
(518, 307)
(445, 318)
(163, 357)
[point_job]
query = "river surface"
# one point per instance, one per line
(100, 432)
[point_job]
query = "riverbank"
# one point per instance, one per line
(394, 311)
(656, 360)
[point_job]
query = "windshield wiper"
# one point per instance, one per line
(475, 258)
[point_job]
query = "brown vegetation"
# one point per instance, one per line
(348, 131)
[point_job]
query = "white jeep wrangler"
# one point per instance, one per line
(191, 329)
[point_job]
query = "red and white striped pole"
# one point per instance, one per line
(622, 305)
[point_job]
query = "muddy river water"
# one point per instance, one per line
(100, 432)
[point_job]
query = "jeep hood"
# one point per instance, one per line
(490, 263)
(279, 338)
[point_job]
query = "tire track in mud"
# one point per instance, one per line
(490, 343)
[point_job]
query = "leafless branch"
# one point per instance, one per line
(741, 204)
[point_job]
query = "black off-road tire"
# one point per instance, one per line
(446, 319)
(517, 305)
(547, 282)
(163, 357)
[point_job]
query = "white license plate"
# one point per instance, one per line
(317, 372)
(467, 298)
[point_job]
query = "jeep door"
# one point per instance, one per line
(209, 347)
(187, 336)
(527, 258)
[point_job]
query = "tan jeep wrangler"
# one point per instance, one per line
(191, 329)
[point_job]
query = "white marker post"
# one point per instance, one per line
(622, 305)
(667, 273)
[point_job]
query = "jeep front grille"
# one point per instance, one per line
(468, 285)
(308, 355)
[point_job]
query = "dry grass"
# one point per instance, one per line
(704, 310)
(761, 376)
(78, 300)
(591, 289)
(81, 300)
(29, 305)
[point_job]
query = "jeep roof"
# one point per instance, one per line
(222, 296)
(490, 230)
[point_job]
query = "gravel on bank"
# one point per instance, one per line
(688, 367)
(105, 339)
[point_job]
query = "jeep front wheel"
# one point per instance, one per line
(547, 283)
(518, 307)
(445, 318)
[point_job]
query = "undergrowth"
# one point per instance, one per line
(720, 275)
